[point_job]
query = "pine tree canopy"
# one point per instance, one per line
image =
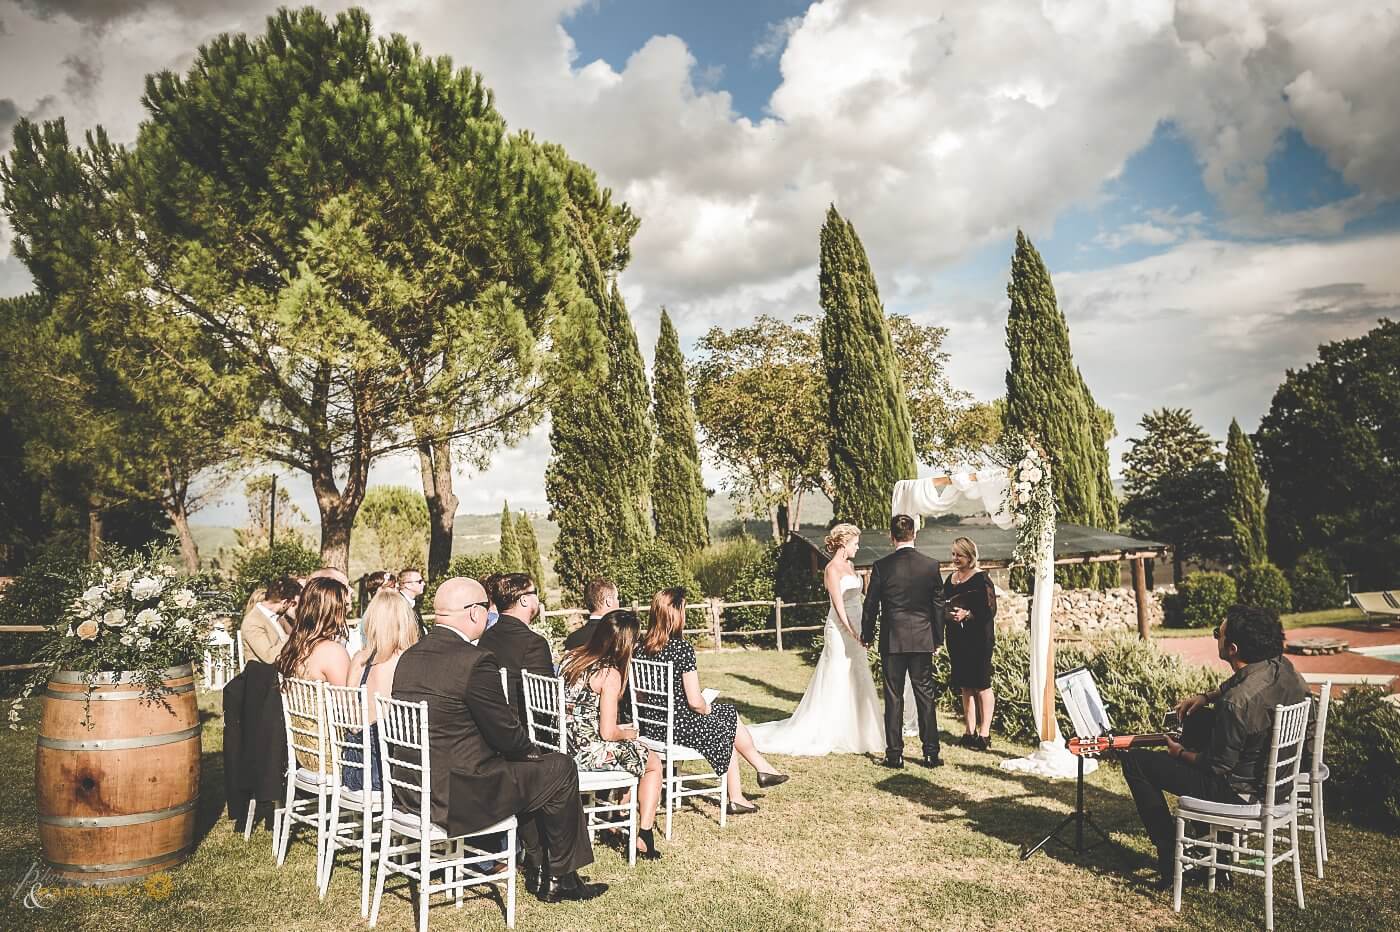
(1247, 502)
(678, 491)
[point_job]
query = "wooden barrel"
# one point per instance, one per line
(117, 801)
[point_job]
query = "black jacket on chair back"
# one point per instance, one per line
(906, 596)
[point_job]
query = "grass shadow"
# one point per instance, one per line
(776, 692)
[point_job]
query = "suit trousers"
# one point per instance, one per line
(919, 668)
(552, 814)
(1149, 773)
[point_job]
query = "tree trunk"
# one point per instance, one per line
(1177, 566)
(784, 523)
(435, 463)
(189, 550)
(773, 519)
(337, 519)
(795, 512)
(94, 533)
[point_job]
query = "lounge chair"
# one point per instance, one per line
(1375, 605)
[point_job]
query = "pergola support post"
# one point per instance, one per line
(1140, 597)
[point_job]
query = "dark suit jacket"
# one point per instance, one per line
(906, 595)
(517, 648)
(472, 734)
(579, 636)
(255, 746)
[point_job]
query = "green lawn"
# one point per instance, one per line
(1325, 618)
(844, 845)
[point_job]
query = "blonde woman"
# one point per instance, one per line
(840, 711)
(389, 629)
(971, 634)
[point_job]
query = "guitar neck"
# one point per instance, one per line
(1103, 743)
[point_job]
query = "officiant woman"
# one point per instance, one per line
(971, 635)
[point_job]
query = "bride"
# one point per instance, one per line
(840, 712)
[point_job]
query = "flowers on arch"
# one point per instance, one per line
(1030, 496)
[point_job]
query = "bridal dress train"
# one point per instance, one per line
(840, 711)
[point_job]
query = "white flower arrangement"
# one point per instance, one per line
(1030, 496)
(119, 621)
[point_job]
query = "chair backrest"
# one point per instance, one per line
(304, 714)
(1372, 603)
(505, 684)
(653, 699)
(544, 711)
(1290, 733)
(403, 755)
(347, 710)
(1324, 701)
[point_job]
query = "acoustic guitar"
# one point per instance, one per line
(1093, 747)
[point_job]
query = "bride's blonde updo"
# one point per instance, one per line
(839, 536)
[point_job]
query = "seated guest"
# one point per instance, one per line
(375, 581)
(330, 572)
(1231, 765)
(713, 730)
(599, 597)
(484, 766)
(389, 629)
(594, 677)
(494, 612)
(410, 584)
(315, 648)
(268, 621)
(510, 639)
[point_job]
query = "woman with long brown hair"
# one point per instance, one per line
(595, 675)
(315, 648)
(712, 729)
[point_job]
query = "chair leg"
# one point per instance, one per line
(510, 879)
(1214, 860)
(1297, 862)
(1176, 864)
(632, 828)
(323, 844)
(248, 822)
(327, 859)
(670, 781)
(425, 876)
(381, 870)
(286, 831)
(723, 800)
(1320, 820)
(459, 854)
(1269, 876)
(366, 857)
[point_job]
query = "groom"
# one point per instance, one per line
(906, 593)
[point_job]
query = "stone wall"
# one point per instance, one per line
(1084, 611)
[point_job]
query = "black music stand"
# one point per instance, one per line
(1081, 698)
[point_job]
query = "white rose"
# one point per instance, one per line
(1025, 464)
(184, 598)
(116, 618)
(147, 587)
(1033, 474)
(122, 580)
(184, 624)
(143, 643)
(94, 596)
(148, 617)
(106, 572)
(128, 639)
(1022, 497)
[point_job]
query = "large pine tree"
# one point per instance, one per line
(872, 443)
(599, 477)
(510, 546)
(530, 551)
(677, 490)
(1245, 508)
(1047, 398)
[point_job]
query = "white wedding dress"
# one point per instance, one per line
(840, 711)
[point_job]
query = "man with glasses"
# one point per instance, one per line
(484, 766)
(411, 588)
(516, 647)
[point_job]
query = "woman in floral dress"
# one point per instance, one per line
(595, 676)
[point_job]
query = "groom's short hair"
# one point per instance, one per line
(901, 528)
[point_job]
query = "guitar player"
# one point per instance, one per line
(1228, 766)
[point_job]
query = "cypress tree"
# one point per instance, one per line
(510, 546)
(677, 490)
(530, 551)
(1047, 398)
(872, 442)
(599, 477)
(1246, 503)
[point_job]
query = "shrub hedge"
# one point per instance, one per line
(1362, 749)
(1200, 601)
(1264, 586)
(1317, 583)
(254, 569)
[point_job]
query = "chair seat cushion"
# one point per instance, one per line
(1323, 773)
(1190, 806)
(308, 778)
(407, 823)
(678, 751)
(589, 780)
(356, 798)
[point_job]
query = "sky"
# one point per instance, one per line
(1213, 185)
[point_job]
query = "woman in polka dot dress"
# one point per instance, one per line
(714, 730)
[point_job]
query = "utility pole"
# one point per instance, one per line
(272, 515)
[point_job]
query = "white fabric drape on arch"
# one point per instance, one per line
(935, 496)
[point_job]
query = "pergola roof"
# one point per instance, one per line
(1074, 543)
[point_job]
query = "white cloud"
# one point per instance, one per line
(1148, 234)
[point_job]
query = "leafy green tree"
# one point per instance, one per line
(1174, 487)
(282, 520)
(530, 551)
(871, 444)
(949, 428)
(1330, 452)
(598, 481)
(1246, 499)
(398, 517)
(1047, 398)
(677, 489)
(511, 557)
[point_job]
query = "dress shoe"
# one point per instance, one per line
(931, 760)
(536, 878)
(895, 762)
(771, 779)
(968, 741)
(570, 888)
(983, 743)
(738, 809)
(644, 837)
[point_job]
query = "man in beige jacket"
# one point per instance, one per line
(264, 629)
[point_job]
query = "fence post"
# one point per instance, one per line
(716, 620)
(778, 619)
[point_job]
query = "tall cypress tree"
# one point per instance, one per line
(510, 546)
(530, 551)
(677, 490)
(1047, 398)
(1246, 503)
(599, 477)
(872, 442)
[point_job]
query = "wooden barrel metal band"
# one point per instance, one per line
(137, 818)
(75, 678)
(118, 744)
(123, 866)
(124, 694)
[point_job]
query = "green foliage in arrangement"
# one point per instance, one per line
(1048, 400)
(1245, 505)
(254, 569)
(1362, 749)
(1264, 585)
(398, 516)
(511, 557)
(530, 551)
(871, 445)
(1200, 601)
(677, 489)
(598, 481)
(1316, 583)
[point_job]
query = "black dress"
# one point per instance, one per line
(712, 735)
(970, 642)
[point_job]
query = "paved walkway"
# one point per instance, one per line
(1202, 650)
